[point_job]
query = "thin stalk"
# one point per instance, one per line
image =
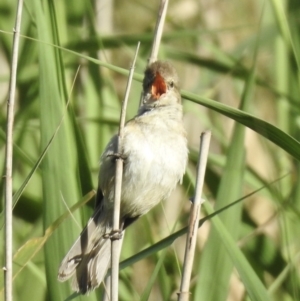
(157, 34)
(158, 30)
(116, 243)
(191, 238)
(9, 157)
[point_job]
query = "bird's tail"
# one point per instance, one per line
(89, 257)
(92, 270)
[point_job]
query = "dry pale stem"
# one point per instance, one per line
(157, 34)
(158, 30)
(116, 243)
(9, 157)
(191, 238)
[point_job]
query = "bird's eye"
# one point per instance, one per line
(171, 84)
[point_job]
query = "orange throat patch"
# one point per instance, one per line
(158, 87)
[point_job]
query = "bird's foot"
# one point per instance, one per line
(114, 235)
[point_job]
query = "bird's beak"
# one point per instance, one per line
(158, 87)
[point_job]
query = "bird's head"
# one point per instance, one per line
(161, 85)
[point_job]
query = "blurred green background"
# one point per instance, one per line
(237, 61)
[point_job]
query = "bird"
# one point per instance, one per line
(155, 154)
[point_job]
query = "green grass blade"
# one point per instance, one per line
(267, 130)
(60, 164)
(254, 286)
(215, 265)
(146, 293)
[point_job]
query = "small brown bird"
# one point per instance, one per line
(154, 148)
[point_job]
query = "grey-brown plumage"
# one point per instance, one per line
(155, 150)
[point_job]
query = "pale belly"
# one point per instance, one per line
(151, 172)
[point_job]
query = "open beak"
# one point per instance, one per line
(158, 87)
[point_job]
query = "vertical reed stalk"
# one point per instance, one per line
(9, 157)
(116, 243)
(158, 30)
(191, 238)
